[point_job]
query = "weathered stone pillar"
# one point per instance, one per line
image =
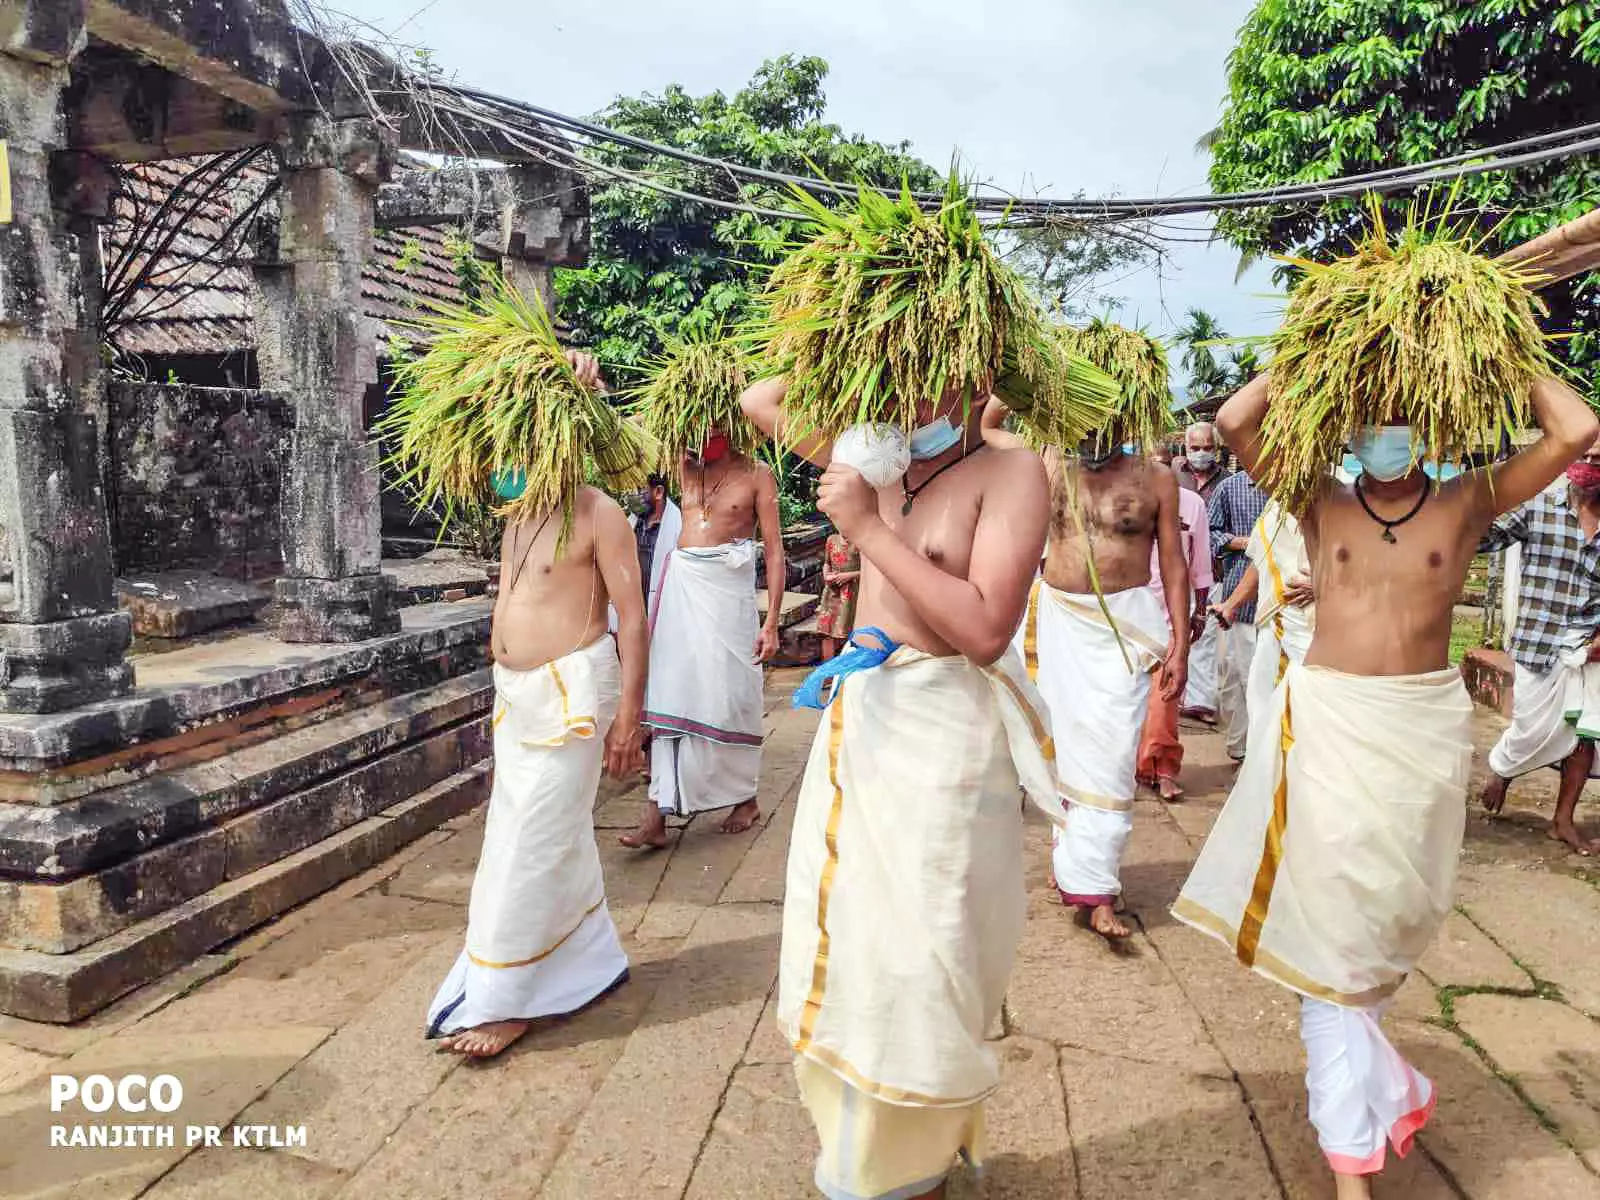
(547, 226)
(62, 637)
(316, 346)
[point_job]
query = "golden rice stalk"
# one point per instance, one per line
(1419, 329)
(494, 394)
(1138, 364)
(691, 389)
(890, 307)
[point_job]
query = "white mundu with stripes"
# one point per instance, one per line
(540, 941)
(1092, 663)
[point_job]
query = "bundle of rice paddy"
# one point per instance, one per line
(493, 401)
(1420, 329)
(692, 388)
(1138, 364)
(890, 306)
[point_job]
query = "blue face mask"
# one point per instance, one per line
(508, 485)
(1384, 451)
(933, 439)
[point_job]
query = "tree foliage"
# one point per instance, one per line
(1067, 265)
(1212, 371)
(661, 265)
(1321, 88)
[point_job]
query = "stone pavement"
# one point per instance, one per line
(1161, 1071)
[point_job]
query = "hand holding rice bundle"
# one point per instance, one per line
(692, 390)
(890, 308)
(1422, 331)
(494, 398)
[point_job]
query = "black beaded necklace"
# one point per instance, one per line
(1389, 526)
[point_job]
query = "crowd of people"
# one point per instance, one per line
(1001, 622)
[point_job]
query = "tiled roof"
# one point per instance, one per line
(194, 306)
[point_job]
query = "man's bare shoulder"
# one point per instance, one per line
(594, 502)
(1003, 461)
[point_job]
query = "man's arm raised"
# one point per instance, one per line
(1239, 421)
(993, 427)
(763, 406)
(617, 555)
(1569, 427)
(979, 614)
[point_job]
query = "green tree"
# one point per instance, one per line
(1321, 88)
(658, 263)
(1209, 375)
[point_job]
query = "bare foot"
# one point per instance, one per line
(1103, 920)
(1170, 789)
(741, 818)
(485, 1041)
(1561, 831)
(651, 834)
(1494, 794)
(1206, 716)
(1352, 1187)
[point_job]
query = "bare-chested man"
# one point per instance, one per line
(707, 645)
(540, 941)
(904, 901)
(1332, 865)
(1092, 655)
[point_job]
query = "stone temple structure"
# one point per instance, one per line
(154, 805)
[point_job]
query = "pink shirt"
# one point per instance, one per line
(1195, 533)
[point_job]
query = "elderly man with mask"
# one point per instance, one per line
(1553, 643)
(1200, 471)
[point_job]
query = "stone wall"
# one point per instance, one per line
(195, 478)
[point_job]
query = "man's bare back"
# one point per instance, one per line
(1118, 505)
(549, 607)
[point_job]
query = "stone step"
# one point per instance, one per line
(797, 606)
(435, 577)
(60, 843)
(61, 988)
(181, 604)
(801, 645)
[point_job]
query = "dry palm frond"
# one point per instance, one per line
(692, 389)
(1138, 364)
(495, 395)
(890, 307)
(1421, 330)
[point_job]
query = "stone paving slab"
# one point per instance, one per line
(1153, 1129)
(1165, 1070)
(644, 1128)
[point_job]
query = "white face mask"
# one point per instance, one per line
(1202, 460)
(933, 439)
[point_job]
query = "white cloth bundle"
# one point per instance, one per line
(880, 452)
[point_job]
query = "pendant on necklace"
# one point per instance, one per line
(705, 521)
(1388, 536)
(905, 509)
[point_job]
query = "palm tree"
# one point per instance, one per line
(1207, 376)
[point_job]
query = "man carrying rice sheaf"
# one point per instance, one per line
(1553, 643)
(1094, 633)
(904, 899)
(1333, 862)
(707, 644)
(540, 940)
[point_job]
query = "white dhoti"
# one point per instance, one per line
(1283, 631)
(703, 699)
(1094, 676)
(1330, 870)
(903, 910)
(1582, 706)
(1201, 692)
(540, 941)
(1539, 734)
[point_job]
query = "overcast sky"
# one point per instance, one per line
(1037, 95)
